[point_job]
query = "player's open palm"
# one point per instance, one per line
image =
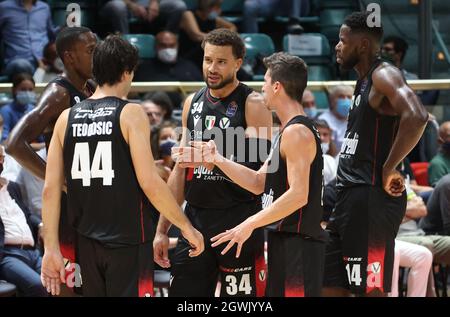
(238, 234)
(393, 182)
(196, 241)
(53, 272)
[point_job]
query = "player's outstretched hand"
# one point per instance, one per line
(238, 234)
(161, 249)
(393, 182)
(196, 241)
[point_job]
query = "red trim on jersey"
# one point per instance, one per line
(375, 269)
(142, 222)
(375, 148)
(68, 251)
(299, 219)
(294, 290)
(260, 274)
(208, 95)
(190, 174)
(145, 282)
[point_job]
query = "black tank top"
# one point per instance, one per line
(368, 139)
(105, 201)
(75, 96)
(217, 119)
(306, 220)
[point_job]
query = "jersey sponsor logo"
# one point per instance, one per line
(210, 121)
(374, 274)
(231, 109)
(235, 270)
(100, 112)
(267, 199)
(349, 145)
(196, 112)
(357, 100)
(203, 173)
(224, 123)
(262, 275)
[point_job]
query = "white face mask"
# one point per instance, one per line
(325, 147)
(168, 55)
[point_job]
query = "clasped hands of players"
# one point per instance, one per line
(206, 154)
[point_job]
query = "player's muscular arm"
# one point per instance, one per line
(54, 180)
(388, 82)
(52, 102)
(136, 130)
(298, 162)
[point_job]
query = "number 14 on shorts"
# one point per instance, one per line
(354, 273)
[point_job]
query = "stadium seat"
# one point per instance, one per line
(420, 171)
(144, 42)
(232, 6)
(257, 43)
(7, 289)
(319, 73)
(321, 99)
(325, 4)
(314, 48)
(191, 4)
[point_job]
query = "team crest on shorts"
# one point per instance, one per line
(210, 121)
(231, 110)
(224, 123)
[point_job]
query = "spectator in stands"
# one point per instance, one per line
(394, 48)
(25, 28)
(440, 164)
(309, 104)
(51, 65)
(269, 8)
(155, 14)
(196, 24)
(328, 151)
(24, 101)
(409, 231)
(20, 261)
(1, 124)
(163, 139)
(158, 107)
(419, 261)
(340, 99)
(438, 218)
(168, 65)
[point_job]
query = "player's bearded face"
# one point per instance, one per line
(217, 81)
(350, 61)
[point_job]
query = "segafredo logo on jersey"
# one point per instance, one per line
(267, 199)
(349, 145)
(209, 122)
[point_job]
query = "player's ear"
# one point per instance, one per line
(365, 45)
(239, 62)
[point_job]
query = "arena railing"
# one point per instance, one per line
(188, 87)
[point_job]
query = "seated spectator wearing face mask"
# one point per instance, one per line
(167, 66)
(340, 98)
(24, 101)
(440, 164)
(309, 104)
(329, 151)
(51, 65)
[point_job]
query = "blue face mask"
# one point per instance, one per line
(213, 15)
(24, 98)
(311, 112)
(343, 107)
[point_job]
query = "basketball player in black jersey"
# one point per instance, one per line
(385, 122)
(225, 109)
(291, 180)
(101, 147)
(74, 46)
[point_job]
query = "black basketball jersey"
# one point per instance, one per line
(368, 139)
(221, 120)
(105, 201)
(306, 220)
(75, 96)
